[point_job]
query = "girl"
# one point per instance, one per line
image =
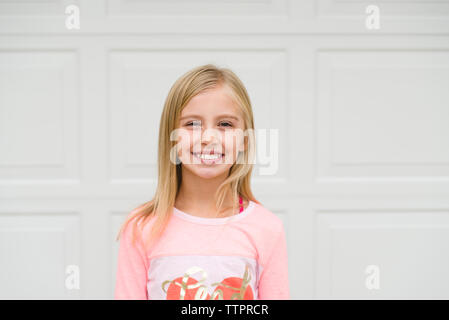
(193, 240)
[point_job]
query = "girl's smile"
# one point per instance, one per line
(209, 158)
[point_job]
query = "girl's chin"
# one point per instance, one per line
(207, 172)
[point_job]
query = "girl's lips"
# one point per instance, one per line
(208, 153)
(210, 161)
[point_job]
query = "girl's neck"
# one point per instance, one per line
(196, 195)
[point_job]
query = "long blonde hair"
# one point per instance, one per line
(237, 182)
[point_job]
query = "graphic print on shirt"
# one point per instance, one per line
(203, 278)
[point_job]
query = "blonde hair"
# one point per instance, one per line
(237, 182)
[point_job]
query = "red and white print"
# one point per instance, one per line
(203, 277)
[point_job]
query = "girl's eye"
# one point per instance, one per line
(195, 123)
(227, 124)
(198, 123)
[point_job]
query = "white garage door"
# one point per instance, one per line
(357, 89)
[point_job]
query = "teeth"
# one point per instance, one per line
(208, 156)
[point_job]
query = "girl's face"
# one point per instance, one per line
(210, 133)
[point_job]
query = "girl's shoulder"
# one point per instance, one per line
(141, 216)
(266, 218)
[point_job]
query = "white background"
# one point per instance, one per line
(363, 119)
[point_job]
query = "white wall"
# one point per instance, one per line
(363, 119)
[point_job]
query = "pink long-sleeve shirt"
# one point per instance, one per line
(239, 257)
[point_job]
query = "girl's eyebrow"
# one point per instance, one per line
(220, 116)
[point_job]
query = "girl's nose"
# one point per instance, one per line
(210, 134)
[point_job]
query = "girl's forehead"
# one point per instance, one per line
(211, 102)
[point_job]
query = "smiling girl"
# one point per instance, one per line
(204, 235)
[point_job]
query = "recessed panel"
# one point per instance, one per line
(38, 115)
(382, 113)
(382, 254)
(196, 7)
(413, 9)
(140, 81)
(38, 252)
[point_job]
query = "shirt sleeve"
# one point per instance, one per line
(132, 266)
(273, 284)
